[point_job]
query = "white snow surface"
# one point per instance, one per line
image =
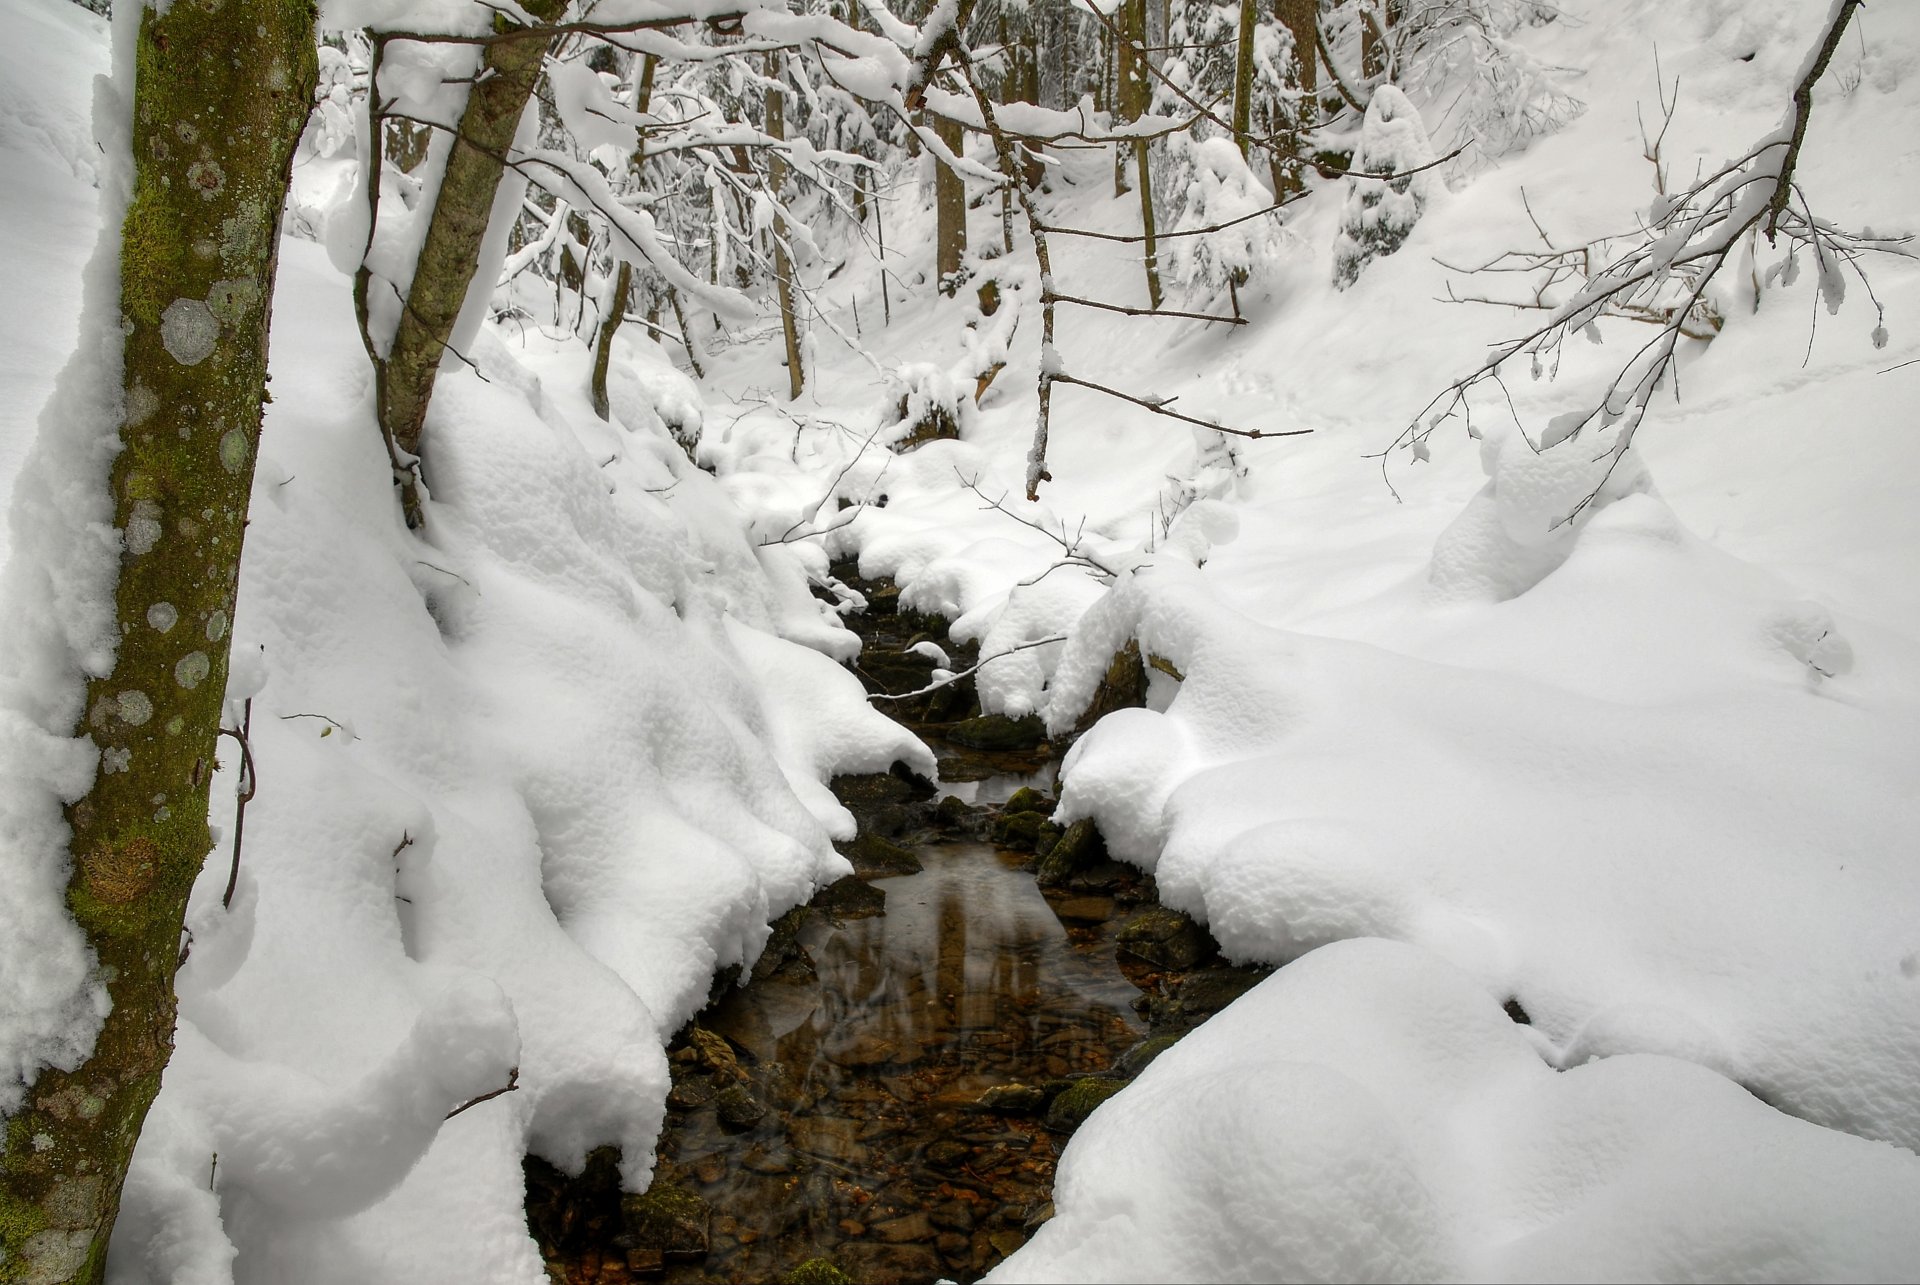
(1654, 773)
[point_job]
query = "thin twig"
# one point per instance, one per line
(249, 783)
(513, 1082)
(953, 678)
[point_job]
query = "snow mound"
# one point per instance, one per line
(1405, 1129)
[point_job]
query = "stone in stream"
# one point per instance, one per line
(1028, 799)
(1014, 1099)
(874, 856)
(738, 1108)
(1165, 938)
(1137, 1058)
(862, 790)
(863, 1050)
(1071, 1109)
(1085, 910)
(829, 1137)
(947, 1154)
(1020, 830)
(1077, 849)
(954, 1215)
(817, 1271)
(849, 898)
(895, 1231)
(669, 1220)
(954, 815)
(998, 732)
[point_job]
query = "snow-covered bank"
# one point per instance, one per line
(559, 750)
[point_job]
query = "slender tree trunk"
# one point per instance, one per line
(950, 210)
(610, 324)
(1243, 76)
(461, 212)
(783, 268)
(1135, 98)
(1141, 159)
(222, 90)
(1376, 26)
(1302, 18)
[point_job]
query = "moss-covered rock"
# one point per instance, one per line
(1079, 847)
(667, 1219)
(817, 1271)
(1165, 938)
(738, 1107)
(849, 898)
(873, 856)
(1137, 1058)
(999, 732)
(1028, 799)
(954, 814)
(1020, 830)
(1070, 1109)
(1014, 1099)
(899, 784)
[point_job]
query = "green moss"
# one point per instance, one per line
(1071, 1108)
(817, 1271)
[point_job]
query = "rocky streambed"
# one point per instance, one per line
(885, 1096)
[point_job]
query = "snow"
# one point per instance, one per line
(1650, 772)
(1426, 1140)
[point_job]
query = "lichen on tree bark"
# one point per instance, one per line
(222, 90)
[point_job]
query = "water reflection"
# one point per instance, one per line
(876, 1153)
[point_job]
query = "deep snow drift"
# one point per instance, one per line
(1652, 774)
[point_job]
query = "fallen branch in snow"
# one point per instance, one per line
(513, 1083)
(1147, 312)
(249, 783)
(1160, 408)
(1072, 547)
(1689, 238)
(953, 678)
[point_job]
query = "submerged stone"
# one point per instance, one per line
(1014, 1099)
(817, 1271)
(849, 898)
(738, 1108)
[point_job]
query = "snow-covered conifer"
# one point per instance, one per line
(1380, 213)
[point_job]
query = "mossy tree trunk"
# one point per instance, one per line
(462, 209)
(222, 90)
(1243, 76)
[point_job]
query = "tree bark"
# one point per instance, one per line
(462, 210)
(782, 261)
(950, 210)
(623, 284)
(1302, 18)
(222, 89)
(1243, 75)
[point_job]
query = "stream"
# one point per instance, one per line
(884, 1098)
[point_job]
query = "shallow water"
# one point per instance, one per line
(873, 1151)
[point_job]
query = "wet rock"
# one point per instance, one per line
(1005, 1242)
(1078, 848)
(784, 954)
(1071, 1109)
(954, 1215)
(850, 1227)
(709, 1169)
(1123, 687)
(998, 732)
(882, 1264)
(738, 1108)
(1086, 910)
(766, 1160)
(817, 1271)
(864, 1050)
(1103, 876)
(1037, 1217)
(668, 1219)
(950, 1243)
(874, 856)
(716, 1054)
(1165, 938)
(859, 791)
(1028, 799)
(1205, 993)
(895, 1231)
(849, 898)
(953, 815)
(690, 1093)
(1137, 1058)
(829, 1137)
(1014, 1099)
(947, 1154)
(1019, 830)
